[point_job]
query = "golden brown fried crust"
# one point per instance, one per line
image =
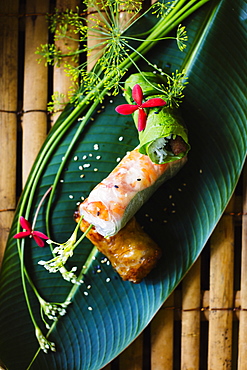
(132, 253)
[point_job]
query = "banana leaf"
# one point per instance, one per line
(107, 314)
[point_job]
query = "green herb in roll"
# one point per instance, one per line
(162, 132)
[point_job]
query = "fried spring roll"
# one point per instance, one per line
(132, 253)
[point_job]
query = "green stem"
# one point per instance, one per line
(70, 296)
(61, 167)
(23, 278)
(173, 19)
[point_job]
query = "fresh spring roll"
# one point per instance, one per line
(132, 253)
(116, 199)
(165, 138)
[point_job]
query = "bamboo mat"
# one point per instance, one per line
(203, 324)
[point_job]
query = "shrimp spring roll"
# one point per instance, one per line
(116, 199)
(165, 137)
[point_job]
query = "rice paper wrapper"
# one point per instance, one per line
(162, 122)
(112, 197)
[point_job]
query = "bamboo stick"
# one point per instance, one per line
(221, 293)
(62, 83)
(191, 300)
(132, 356)
(94, 41)
(162, 328)
(242, 354)
(205, 305)
(34, 122)
(8, 120)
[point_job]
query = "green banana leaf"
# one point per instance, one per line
(180, 216)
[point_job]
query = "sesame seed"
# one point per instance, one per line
(110, 101)
(116, 186)
(85, 293)
(90, 154)
(82, 198)
(80, 167)
(86, 165)
(89, 287)
(82, 175)
(98, 157)
(95, 169)
(76, 158)
(61, 180)
(84, 157)
(120, 138)
(90, 308)
(71, 196)
(96, 146)
(170, 196)
(200, 171)
(118, 159)
(107, 280)
(179, 189)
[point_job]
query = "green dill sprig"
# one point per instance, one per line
(108, 32)
(173, 89)
(161, 8)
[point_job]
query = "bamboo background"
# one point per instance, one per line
(203, 324)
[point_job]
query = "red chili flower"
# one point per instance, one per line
(37, 235)
(137, 95)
